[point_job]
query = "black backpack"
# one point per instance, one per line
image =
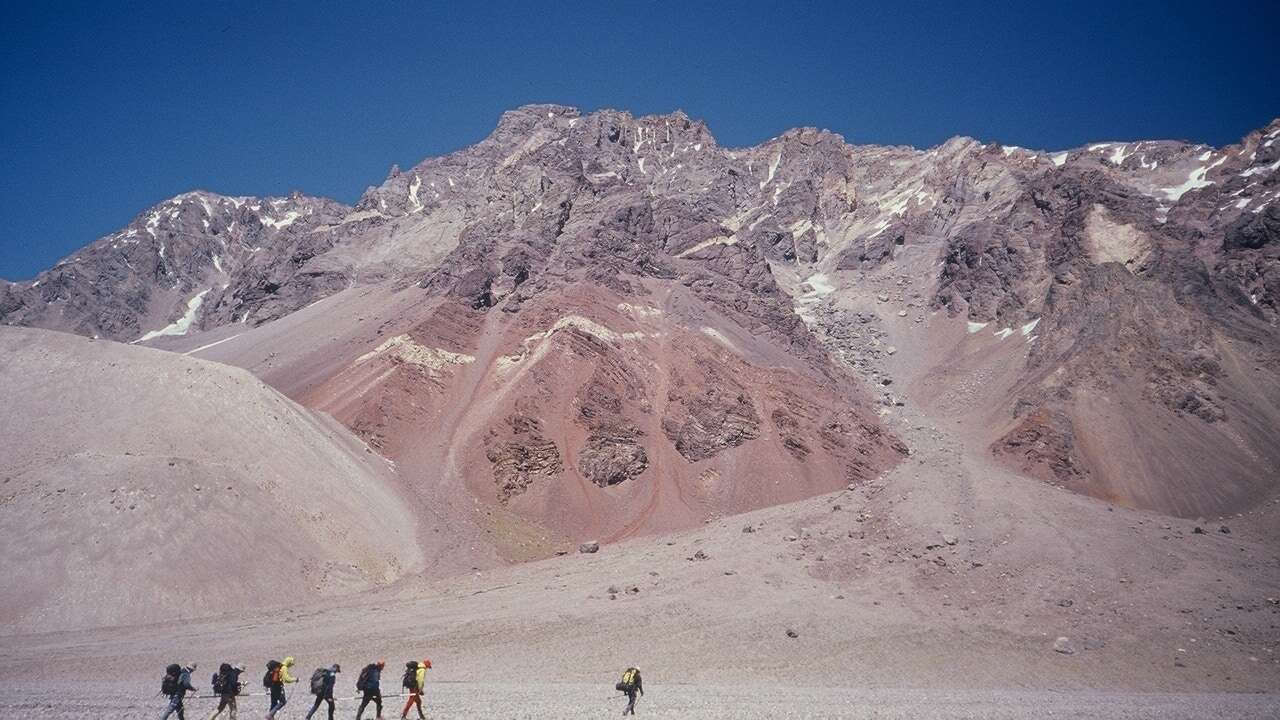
(270, 678)
(317, 681)
(220, 678)
(363, 680)
(410, 681)
(169, 685)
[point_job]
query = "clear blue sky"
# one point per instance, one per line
(105, 111)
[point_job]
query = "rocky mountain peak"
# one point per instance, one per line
(769, 240)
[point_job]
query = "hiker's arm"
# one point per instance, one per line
(640, 685)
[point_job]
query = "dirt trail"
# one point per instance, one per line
(572, 701)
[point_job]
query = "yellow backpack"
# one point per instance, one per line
(628, 680)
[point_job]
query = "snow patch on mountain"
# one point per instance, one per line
(1194, 181)
(288, 219)
(182, 324)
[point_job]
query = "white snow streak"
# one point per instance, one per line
(717, 240)
(773, 169)
(413, 193)
(975, 326)
(182, 324)
(1194, 181)
(1259, 169)
(219, 342)
(283, 222)
(881, 226)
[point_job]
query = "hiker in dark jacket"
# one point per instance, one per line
(631, 684)
(370, 683)
(324, 693)
(179, 689)
(228, 687)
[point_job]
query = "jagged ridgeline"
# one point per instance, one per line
(601, 325)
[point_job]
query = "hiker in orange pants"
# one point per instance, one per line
(415, 677)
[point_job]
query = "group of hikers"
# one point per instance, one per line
(227, 687)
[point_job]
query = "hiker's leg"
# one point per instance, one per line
(182, 715)
(277, 702)
(231, 705)
(314, 706)
(407, 704)
(364, 702)
(420, 713)
(377, 702)
(330, 701)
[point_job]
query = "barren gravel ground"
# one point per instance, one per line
(948, 575)
(573, 701)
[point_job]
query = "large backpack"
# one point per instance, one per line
(628, 683)
(410, 680)
(273, 674)
(363, 680)
(317, 681)
(219, 680)
(169, 685)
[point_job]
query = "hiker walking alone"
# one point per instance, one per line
(370, 683)
(275, 679)
(631, 684)
(415, 678)
(176, 684)
(322, 681)
(226, 685)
